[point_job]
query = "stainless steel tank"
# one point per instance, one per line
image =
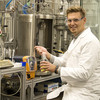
(25, 34)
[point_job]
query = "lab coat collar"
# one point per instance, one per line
(75, 37)
(85, 32)
(74, 43)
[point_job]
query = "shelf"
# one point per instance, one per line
(12, 70)
(40, 96)
(45, 78)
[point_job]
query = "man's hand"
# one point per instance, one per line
(41, 50)
(47, 66)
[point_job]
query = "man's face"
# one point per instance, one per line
(76, 23)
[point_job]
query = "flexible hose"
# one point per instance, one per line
(24, 9)
(17, 90)
(8, 3)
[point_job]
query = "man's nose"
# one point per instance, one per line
(72, 22)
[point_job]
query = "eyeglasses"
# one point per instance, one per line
(75, 20)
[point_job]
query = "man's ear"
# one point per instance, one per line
(84, 20)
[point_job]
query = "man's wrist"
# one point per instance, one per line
(56, 69)
(59, 70)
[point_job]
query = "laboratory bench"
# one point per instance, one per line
(27, 89)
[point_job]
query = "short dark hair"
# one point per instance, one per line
(76, 9)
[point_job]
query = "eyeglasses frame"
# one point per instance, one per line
(75, 20)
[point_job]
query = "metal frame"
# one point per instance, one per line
(23, 76)
(29, 89)
(42, 79)
(30, 85)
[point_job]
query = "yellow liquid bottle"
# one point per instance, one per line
(44, 59)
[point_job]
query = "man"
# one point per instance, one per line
(79, 67)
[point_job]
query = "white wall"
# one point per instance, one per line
(92, 14)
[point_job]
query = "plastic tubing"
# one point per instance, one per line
(8, 3)
(24, 9)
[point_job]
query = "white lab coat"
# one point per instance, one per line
(80, 69)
